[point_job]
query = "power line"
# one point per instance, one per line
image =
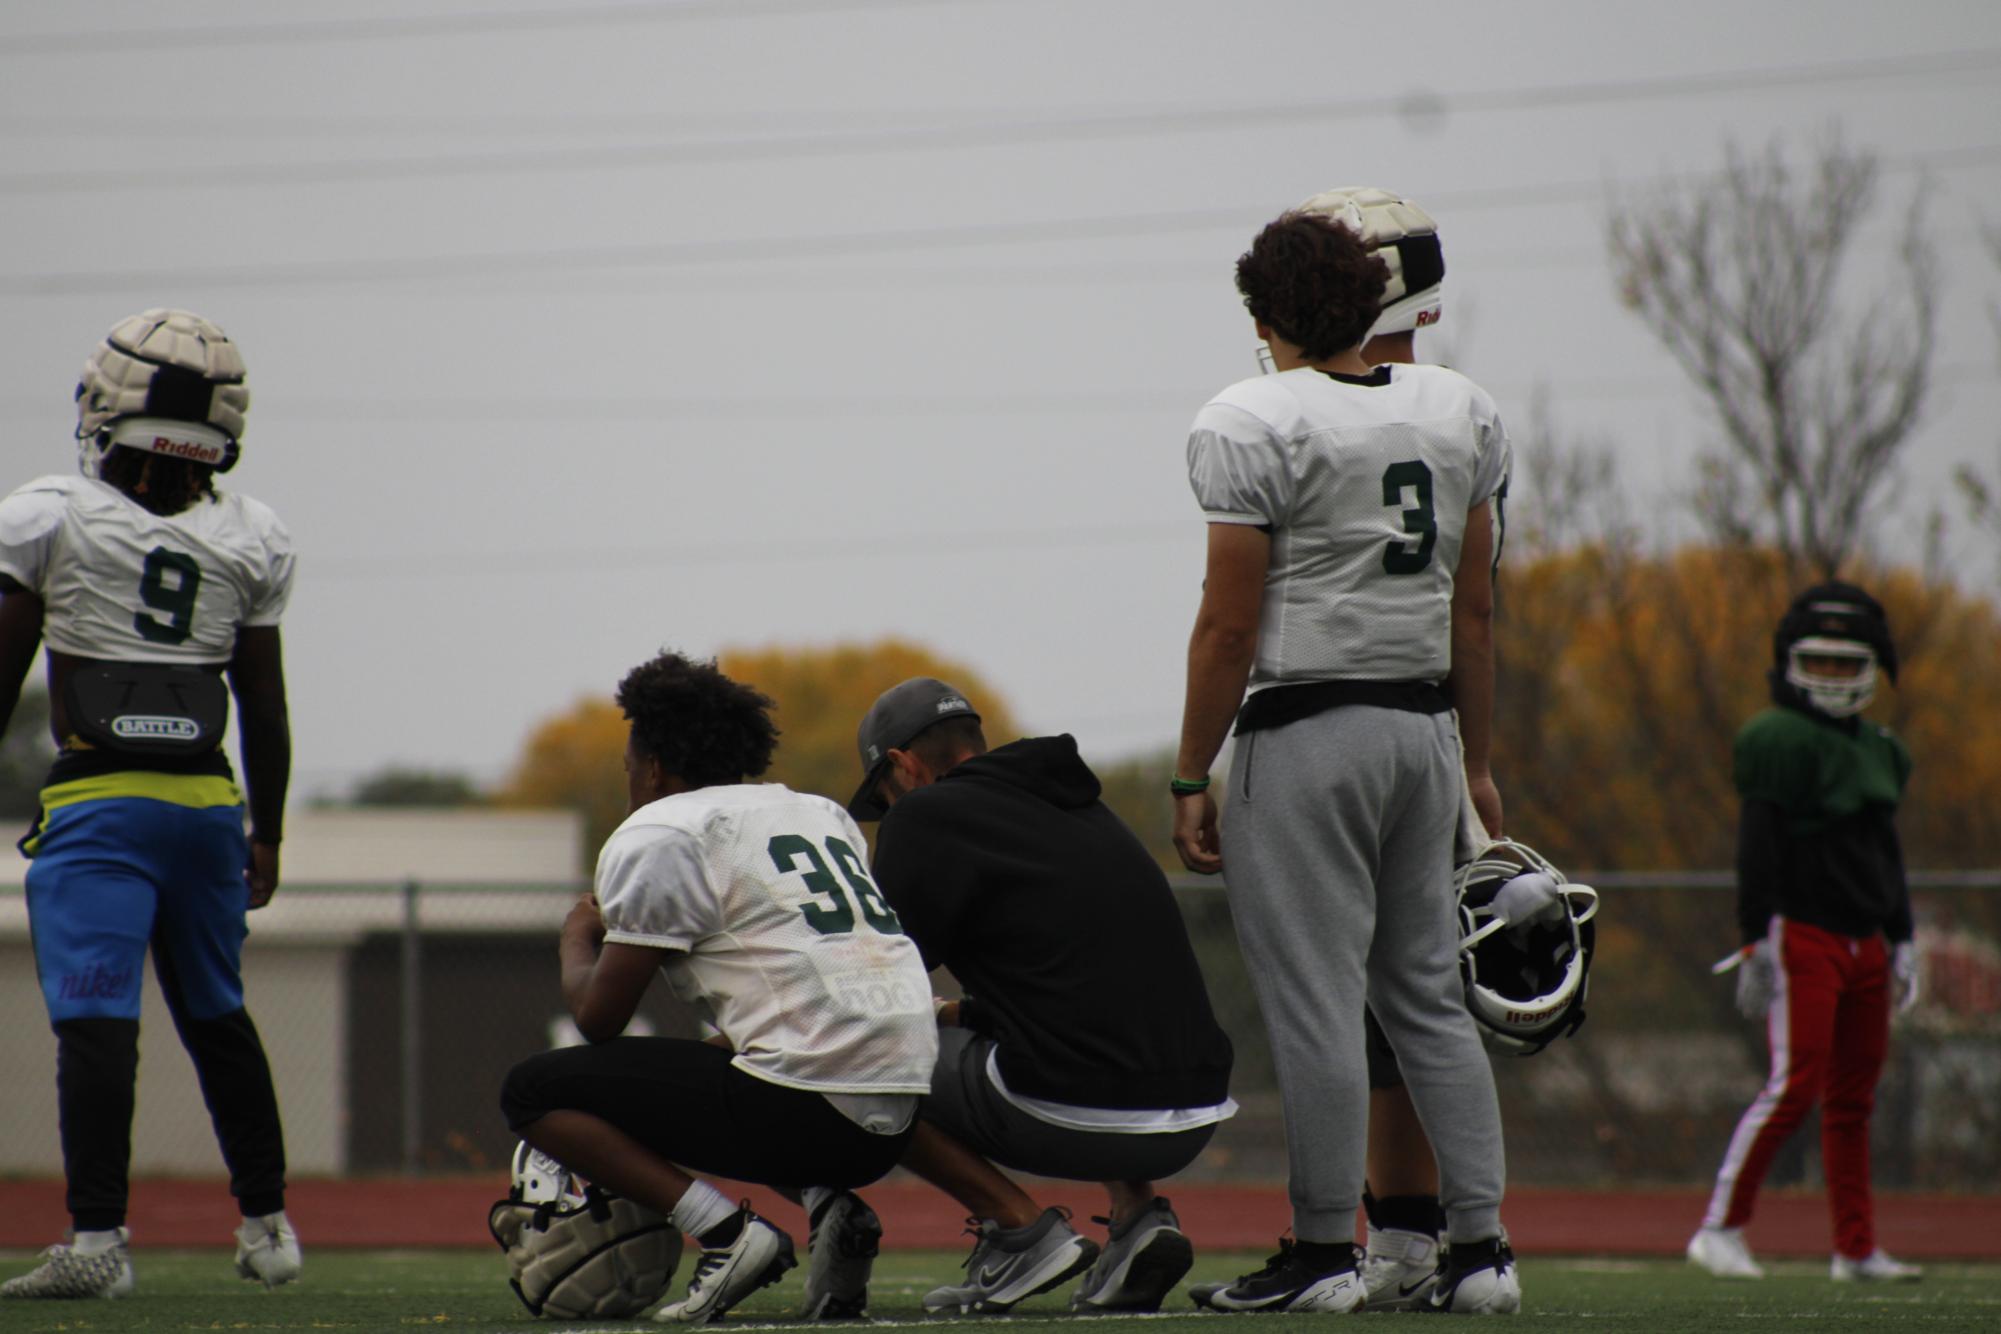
(820, 144)
(462, 564)
(565, 18)
(1119, 227)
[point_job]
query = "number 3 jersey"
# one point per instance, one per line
(781, 939)
(1364, 483)
(119, 583)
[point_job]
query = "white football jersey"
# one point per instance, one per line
(1364, 485)
(782, 940)
(122, 584)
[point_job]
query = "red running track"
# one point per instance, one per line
(451, 1211)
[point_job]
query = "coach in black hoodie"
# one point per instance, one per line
(1085, 1047)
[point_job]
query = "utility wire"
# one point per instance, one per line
(563, 18)
(821, 145)
(457, 564)
(1119, 227)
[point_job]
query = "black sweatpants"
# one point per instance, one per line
(687, 1103)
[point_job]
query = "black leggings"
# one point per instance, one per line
(687, 1103)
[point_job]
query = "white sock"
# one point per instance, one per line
(90, 1243)
(815, 1198)
(700, 1208)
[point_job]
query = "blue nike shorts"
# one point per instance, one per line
(111, 877)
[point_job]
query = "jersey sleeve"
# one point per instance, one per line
(272, 592)
(1497, 458)
(29, 522)
(653, 889)
(1768, 764)
(1237, 467)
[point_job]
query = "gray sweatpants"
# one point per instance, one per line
(1337, 846)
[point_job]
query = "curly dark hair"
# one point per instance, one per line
(702, 727)
(157, 482)
(1313, 282)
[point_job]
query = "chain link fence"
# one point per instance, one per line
(392, 1011)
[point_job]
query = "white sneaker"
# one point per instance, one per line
(1477, 1278)
(1878, 1266)
(267, 1250)
(66, 1271)
(759, 1254)
(1400, 1269)
(1721, 1250)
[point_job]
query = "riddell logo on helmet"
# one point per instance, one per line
(1526, 1016)
(1425, 317)
(187, 449)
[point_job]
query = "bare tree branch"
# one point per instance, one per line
(1740, 278)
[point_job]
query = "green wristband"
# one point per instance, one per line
(1187, 787)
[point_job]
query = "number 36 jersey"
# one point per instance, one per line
(122, 584)
(1364, 483)
(780, 938)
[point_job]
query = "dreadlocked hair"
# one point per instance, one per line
(696, 722)
(158, 483)
(1313, 282)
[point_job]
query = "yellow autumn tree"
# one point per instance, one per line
(823, 692)
(1625, 678)
(573, 759)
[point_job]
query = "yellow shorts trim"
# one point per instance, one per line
(197, 790)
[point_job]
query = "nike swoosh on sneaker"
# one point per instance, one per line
(1406, 1289)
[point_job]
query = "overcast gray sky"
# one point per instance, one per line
(578, 330)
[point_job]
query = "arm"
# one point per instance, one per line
(1220, 652)
(20, 637)
(602, 983)
(257, 678)
(1472, 680)
(1761, 867)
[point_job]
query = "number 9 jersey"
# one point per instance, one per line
(119, 583)
(779, 936)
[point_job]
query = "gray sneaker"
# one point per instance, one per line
(1143, 1260)
(840, 1255)
(67, 1272)
(1010, 1264)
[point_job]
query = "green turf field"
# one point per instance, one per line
(413, 1290)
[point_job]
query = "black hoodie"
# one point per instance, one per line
(1010, 872)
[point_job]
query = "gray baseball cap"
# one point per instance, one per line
(892, 723)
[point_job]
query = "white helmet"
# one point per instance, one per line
(1405, 238)
(1526, 974)
(166, 381)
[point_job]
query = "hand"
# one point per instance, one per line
(261, 875)
(1527, 898)
(1906, 977)
(1486, 801)
(1195, 836)
(1757, 980)
(946, 1010)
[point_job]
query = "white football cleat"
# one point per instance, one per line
(68, 1272)
(267, 1250)
(1721, 1251)
(1400, 1269)
(1879, 1266)
(1477, 1278)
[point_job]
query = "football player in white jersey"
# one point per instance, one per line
(1402, 1196)
(158, 595)
(1349, 587)
(756, 904)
